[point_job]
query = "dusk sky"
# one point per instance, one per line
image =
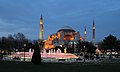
(23, 16)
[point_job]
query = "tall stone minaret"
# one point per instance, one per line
(85, 33)
(41, 29)
(93, 31)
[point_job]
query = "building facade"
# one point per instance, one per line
(64, 37)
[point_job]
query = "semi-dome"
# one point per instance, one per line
(66, 28)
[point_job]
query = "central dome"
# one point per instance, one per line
(66, 28)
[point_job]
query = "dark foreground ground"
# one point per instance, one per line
(8, 66)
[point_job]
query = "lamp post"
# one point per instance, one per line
(84, 53)
(73, 46)
(24, 52)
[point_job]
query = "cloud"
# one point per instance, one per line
(4, 23)
(12, 28)
(23, 15)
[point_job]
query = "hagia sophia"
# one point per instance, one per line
(65, 35)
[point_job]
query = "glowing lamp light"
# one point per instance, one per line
(93, 27)
(60, 45)
(40, 22)
(85, 32)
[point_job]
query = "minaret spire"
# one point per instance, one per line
(41, 16)
(93, 31)
(41, 28)
(85, 33)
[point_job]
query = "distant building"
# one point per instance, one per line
(65, 38)
(65, 35)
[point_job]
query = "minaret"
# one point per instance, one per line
(41, 29)
(93, 31)
(85, 33)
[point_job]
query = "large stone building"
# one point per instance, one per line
(65, 35)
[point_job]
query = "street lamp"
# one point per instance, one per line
(73, 46)
(24, 52)
(84, 53)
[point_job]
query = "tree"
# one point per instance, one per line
(118, 47)
(13, 42)
(20, 40)
(110, 43)
(86, 46)
(41, 44)
(36, 58)
(91, 48)
(10, 43)
(4, 43)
